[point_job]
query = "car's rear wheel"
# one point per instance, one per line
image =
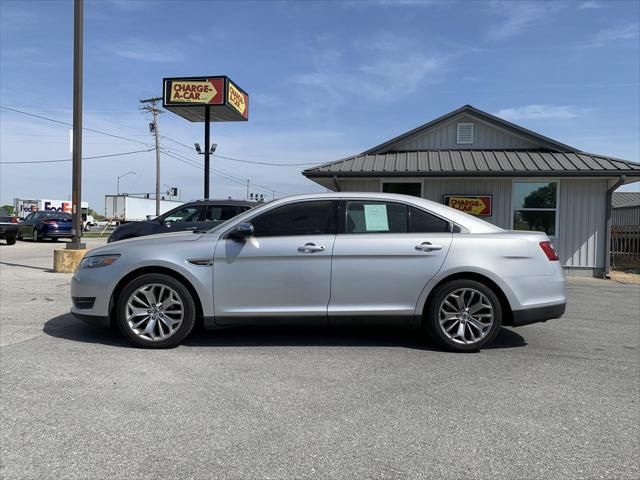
(10, 240)
(156, 311)
(463, 315)
(35, 235)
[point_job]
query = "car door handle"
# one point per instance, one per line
(192, 228)
(311, 247)
(428, 247)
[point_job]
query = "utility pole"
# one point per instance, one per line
(76, 182)
(155, 111)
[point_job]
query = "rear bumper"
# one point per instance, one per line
(538, 314)
(94, 320)
(57, 233)
(8, 230)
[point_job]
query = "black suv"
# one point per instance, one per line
(199, 215)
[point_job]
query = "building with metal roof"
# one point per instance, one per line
(469, 158)
(625, 209)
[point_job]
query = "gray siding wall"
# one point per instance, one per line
(582, 223)
(625, 216)
(485, 136)
(581, 211)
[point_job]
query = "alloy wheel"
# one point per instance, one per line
(466, 316)
(154, 312)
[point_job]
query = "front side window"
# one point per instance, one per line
(185, 214)
(304, 218)
(535, 206)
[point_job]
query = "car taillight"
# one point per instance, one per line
(50, 222)
(14, 219)
(549, 251)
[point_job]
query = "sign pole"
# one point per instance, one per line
(207, 147)
(77, 129)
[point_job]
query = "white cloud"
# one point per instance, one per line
(138, 49)
(591, 5)
(627, 31)
(539, 112)
(518, 17)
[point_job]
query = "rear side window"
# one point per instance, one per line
(423, 222)
(304, 218)
(376, 217)
(221, 212)
(389, 217)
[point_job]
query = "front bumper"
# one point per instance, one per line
(93, 320)
(538, 314)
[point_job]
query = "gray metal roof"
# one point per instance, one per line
(625, 199)
(482, 163)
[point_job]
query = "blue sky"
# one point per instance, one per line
(326, 80)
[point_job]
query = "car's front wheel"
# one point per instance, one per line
(463, 315)
(155, 311)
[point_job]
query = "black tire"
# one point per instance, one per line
(54, 239)
(10, 240)
(186, 298)
(431, 320)
(35, 236)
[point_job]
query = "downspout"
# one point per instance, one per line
(336, 183)
(607, 243)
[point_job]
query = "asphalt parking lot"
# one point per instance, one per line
(554, 400)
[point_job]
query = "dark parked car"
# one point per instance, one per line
(8, 227)
(199, 215)
(45, 224)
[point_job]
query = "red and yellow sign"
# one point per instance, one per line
(238, 99)
(205, 92)
(479, 205)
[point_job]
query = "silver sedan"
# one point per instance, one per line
(326, 259)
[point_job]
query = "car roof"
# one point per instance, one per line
(242, 203)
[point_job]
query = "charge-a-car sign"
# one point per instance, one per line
(238, 99)
(209, 91)
(479, 205)
(200, 99)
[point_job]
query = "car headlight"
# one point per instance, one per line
(98, 261)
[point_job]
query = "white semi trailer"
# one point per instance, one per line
(127, 208)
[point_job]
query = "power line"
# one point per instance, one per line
(84, 158)
(243, 180)
(70, 125)
(222, 173)
(244, 160)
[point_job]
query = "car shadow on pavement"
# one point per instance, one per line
(69, 328)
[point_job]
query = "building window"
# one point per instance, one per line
(535, 206)
(404, 188)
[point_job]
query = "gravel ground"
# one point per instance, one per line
(553, 400)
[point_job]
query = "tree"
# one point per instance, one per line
(543, 197)
(8, 208)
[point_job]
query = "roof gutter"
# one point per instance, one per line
(607, 243)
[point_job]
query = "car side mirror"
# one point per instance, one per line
(241, 231)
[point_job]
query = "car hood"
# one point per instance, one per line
(159, 240)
